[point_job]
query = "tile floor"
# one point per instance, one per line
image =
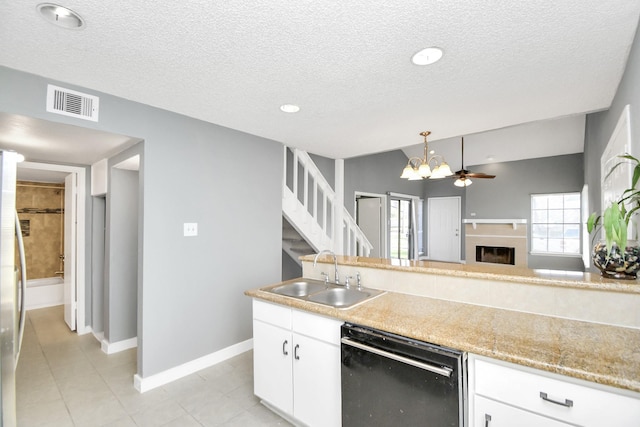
(66, 380)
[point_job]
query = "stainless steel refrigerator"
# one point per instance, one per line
(12, 281)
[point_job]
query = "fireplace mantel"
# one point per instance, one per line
(513, 222)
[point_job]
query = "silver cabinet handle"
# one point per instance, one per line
(568, 403)
(444, 371)
(487, 418)
(295, 352)
(284, 348)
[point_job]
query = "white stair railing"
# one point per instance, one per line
(308, 202)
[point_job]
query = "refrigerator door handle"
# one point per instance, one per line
(23, 287)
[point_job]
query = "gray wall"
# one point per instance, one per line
(377, 173)
(97, 263)
(327, 166)
(600, 126)
(191, 300)
(122, 247)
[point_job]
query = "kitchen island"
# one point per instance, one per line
(577, 325)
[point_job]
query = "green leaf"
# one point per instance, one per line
(592, 221)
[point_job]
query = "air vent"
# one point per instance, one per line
(71, 103)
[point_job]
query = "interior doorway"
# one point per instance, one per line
(74, 253)
(371, 217)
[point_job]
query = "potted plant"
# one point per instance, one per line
(614, 257)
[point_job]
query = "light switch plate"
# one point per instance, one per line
(190, 229)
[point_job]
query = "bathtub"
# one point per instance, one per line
(45, 292)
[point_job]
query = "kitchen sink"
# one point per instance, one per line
(340, 297)
(320, 292)
(299, 288)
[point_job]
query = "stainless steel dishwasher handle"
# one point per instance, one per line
(426, 366)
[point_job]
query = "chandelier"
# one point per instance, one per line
(418, 168)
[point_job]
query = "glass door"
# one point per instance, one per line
(400, 228)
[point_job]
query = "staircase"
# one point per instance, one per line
(310, 209)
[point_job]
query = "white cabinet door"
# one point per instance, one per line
(489, 413)
(272, 355)
(316, 376)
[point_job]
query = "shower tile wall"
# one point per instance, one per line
(42, 204)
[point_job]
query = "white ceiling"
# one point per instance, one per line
(347, 64)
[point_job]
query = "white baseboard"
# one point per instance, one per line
(115, 347)
(165, 377)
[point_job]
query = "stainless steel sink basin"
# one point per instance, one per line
(299, 288)
(323, 293)
(340, 297)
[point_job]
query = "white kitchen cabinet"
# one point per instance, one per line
(297, 363)
(504, 394)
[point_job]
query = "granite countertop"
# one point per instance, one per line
(506, 273)
(603, 354)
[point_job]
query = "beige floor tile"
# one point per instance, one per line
(135, 402)
(44, 414)
(185, 421)
(159, 414)
(217, 411)
(267, 417)
(66, 380)
(103, 411)
(122, 422)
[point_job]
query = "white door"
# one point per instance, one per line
(444, 229)
(70, 250)
(370, 222)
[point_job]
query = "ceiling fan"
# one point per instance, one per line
(463, 174)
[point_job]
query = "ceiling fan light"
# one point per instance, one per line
(463, 182)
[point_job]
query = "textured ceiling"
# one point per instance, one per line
(346, 63)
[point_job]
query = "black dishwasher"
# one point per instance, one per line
(390, 380)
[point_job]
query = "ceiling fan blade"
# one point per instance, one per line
(479, 175)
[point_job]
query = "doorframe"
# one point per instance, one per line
(81, 194)
(384, 218)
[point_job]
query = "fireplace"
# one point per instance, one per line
(496, 241)
(496, 254)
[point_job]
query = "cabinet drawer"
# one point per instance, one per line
(273, 314)
(318, 327)
(489, 413)
(550, 395)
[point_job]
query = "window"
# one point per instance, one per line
(555, 223)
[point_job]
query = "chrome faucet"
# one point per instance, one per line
(335, 262)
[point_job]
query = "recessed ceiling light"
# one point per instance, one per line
(289, 108)
(427, 56)
(60, 16)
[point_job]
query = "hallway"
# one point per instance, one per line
(66, 380)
